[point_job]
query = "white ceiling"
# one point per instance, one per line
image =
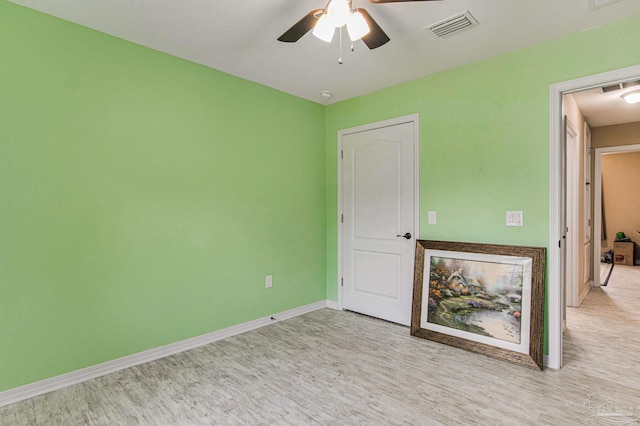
(606, 109)
(239, 37)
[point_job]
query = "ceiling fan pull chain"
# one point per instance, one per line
(340, 58)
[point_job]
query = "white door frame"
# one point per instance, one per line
(597, 199)
(554, 284)
(415, 120)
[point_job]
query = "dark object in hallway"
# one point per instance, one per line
(607, 258)
(606, 280)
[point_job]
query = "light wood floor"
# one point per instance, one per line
(332, 367)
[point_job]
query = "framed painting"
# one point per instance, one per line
(484, 298)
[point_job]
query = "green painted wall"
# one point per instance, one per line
(143, 198)
(484, 136)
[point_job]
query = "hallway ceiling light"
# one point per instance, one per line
(632, 97)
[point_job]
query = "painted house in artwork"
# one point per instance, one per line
(463, 284)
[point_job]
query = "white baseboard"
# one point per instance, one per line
(54, 383)
(584, 293)
(333, 305)
(545, 361)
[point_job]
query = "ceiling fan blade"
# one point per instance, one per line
(396, 1)
(376, 36)
(301, 27)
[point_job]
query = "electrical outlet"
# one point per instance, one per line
(268, 281)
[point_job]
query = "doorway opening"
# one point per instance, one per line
(603, 233)
(557, 264)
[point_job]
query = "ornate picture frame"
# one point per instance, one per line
(485, 298)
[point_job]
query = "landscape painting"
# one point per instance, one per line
(485, 298)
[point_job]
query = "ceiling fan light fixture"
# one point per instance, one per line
(324, 28)
(339, 11)
(322, 23)
(632, 97)
(357, 26)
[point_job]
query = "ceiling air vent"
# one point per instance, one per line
(619, 86)
(453, 24)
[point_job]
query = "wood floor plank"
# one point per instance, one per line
(330, 367)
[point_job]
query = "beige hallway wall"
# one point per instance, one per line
(621, 197)
(616, 135)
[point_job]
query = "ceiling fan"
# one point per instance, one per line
(336, 14)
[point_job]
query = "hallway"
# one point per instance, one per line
(603, 335)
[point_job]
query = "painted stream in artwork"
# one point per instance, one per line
(500, 325)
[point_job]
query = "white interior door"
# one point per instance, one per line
(563, 224)
(378, 230)
(588, 261)
(573, 183)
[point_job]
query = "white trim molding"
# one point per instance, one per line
(333, 305)
(42, 387)
(584, 292)
(555, 299)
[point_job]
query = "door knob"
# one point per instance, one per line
(407, 236)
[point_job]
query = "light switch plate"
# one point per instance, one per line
(432, 218)
(515, 218)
